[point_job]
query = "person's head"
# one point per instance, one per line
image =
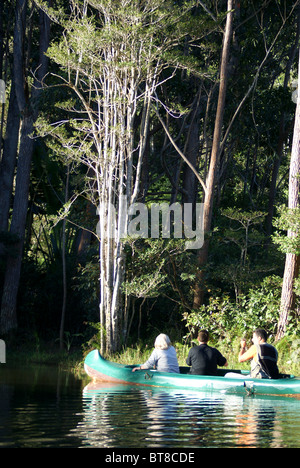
(259, 336)
(162, 341)
(203, 336)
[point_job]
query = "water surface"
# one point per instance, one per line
(45, 407)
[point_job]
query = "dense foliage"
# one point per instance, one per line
(104, 96)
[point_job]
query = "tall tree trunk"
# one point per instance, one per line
(215, 156)
(64, 268)
(11, 133)
(191, 150)
(28, 108)
(17, 228)
(117, 163)
(292, 260)
(282, 133)
(9, 157)
(1, 37)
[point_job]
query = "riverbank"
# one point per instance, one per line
(73, 358)
(288, 352)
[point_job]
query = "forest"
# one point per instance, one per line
(111, 109)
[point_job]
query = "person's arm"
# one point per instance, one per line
(243, 349)
(189, 358)
(150, 363)
(244, 354)
(138, 368)
(221, 360)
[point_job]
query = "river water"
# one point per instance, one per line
(43, 407)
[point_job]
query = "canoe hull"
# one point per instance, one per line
(101, 370)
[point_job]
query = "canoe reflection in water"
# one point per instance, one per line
(130, 416)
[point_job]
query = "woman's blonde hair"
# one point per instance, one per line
(162, 341)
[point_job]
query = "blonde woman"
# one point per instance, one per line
(163, 357)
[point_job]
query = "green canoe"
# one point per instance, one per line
(100, 369)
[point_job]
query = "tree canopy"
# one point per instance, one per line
(116, 108)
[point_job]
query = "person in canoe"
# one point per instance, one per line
(203, 359)
(163, 357)
(263, 356)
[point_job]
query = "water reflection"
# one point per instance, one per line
(128, 416)
(45, 407)
(38, 407)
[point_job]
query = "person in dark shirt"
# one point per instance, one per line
(203, 359)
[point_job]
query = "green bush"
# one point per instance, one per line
(227, 320)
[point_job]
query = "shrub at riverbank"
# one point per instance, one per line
(43, 353)
(288, 350)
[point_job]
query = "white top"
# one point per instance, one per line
(164, 360)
